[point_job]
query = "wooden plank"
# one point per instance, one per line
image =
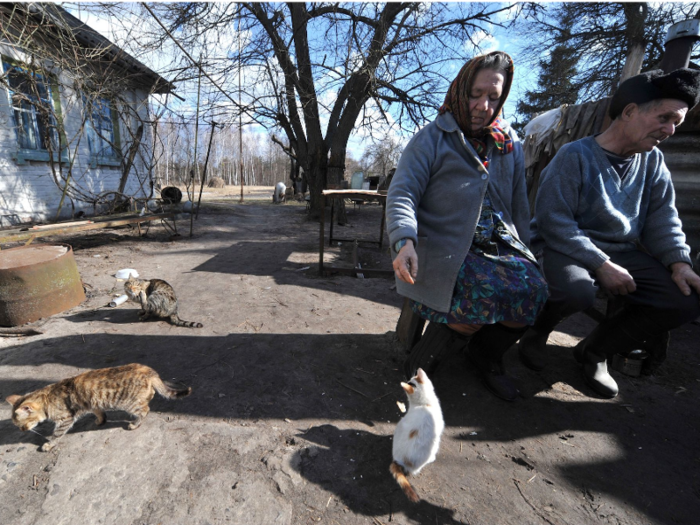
(348, 194)
(59, 225)
(21, 236)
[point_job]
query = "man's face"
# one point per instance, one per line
(647, 129)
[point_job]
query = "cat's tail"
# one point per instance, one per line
(189, 324)
(400, 476)
(168, 391)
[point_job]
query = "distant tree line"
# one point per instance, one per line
(264, 161)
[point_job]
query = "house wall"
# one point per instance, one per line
(682, 156)
(29, 192)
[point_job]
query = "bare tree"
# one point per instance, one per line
(380, 156)
(317, 71)
(602, 37)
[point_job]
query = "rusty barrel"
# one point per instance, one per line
(37, 281)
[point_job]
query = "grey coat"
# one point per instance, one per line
(435, 199)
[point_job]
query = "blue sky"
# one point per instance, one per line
(524, 79)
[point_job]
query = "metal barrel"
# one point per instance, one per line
(37, 281)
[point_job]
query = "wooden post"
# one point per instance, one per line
(321, 236)
(204, 171)
(196, 137)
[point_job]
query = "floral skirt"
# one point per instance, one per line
(490, 289)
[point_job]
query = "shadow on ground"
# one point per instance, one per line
(353, 465)
(355, 377)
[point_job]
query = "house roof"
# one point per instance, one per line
(91, 39)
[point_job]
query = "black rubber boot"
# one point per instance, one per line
(532, 348)
(595, 370)
(437, 341)
(625, 331)
(486, 350)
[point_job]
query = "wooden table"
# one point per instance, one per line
(350, 194)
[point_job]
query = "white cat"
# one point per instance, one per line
(417, 435)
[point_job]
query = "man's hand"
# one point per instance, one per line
(614, 279)
(406, 263)
(684, 277)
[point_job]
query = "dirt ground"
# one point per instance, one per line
(295, 381)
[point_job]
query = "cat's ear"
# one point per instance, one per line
(130, 279)
(421, 376)
(408, 388)
(13, 399)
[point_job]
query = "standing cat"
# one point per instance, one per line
(156, 298)
(417, 435)
(129, 388)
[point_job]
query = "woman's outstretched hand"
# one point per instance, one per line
(406, 263)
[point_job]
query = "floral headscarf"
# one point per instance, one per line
(457, 103)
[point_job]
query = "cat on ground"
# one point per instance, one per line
(157, 298)
(417, 435)
(129, 388)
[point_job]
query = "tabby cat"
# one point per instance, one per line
(129, 388)
(417, 435)
(156, 298)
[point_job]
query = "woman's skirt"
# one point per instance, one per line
(490, 289)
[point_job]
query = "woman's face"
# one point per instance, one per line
(484, 97)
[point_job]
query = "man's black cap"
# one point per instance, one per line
(681, 84)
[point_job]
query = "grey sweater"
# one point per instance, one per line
(584, 210)
(435, 199)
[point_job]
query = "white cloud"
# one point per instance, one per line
(481, 42)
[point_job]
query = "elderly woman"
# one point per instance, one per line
(458, 223)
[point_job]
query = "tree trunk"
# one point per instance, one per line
(317, 164)
(635, 14)
(315, 180)
(336, 170)
(130, 157)
(335, 181)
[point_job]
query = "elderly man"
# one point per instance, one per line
(605, 218)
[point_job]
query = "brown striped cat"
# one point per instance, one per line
(129, 388)
(156, 298)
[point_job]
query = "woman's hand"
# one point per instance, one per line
(406, 263)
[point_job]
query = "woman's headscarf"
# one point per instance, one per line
(457, 102)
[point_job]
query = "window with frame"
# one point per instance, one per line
(31, 99)
(102, 130)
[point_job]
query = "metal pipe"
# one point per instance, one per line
(118, 300)
(679, 44)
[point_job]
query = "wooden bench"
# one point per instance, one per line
(410, 325)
